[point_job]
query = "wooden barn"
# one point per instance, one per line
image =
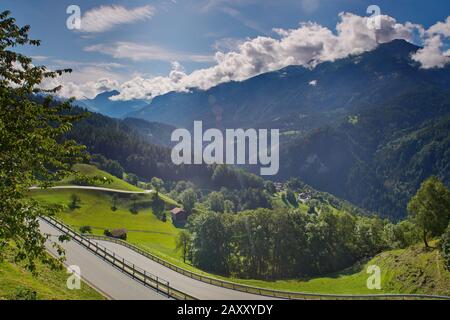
(179, 215)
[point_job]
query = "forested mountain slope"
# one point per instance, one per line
(368, 128)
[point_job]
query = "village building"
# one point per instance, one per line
(179, 215)
(304, 197)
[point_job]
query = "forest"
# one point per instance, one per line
(282, 243)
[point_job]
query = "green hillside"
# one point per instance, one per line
(412, 270)
(16, 282)
(94, 209)
(91, 171)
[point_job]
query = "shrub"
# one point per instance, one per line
(24, 294)
(74, 202)
(134, 208)
(445, 248)
(290, 197)
(157, 205)
(85, 229)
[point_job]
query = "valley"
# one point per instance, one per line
(372, 150)
(422, 271)
(204, 153)
(341, 130)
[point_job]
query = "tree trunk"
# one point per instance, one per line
(425, 239)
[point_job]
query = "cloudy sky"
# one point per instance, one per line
(147, 48)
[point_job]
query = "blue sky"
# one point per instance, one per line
(187, 31)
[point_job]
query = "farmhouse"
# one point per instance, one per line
(179, 215)
(304, 197)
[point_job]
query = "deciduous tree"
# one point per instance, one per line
(430, 208)
(31, 125)
(183, 244)
(188, 198)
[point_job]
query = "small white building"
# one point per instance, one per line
(304, 197)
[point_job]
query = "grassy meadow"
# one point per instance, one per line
(16, 283)
(411, 270)
(91, 171)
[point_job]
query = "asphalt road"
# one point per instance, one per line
(98, 273)
(117, 285)
(198, 289)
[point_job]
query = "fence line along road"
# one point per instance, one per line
(160, 285)
(258, 290)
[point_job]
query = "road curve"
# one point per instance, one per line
(94, 188)
(100, 274)
(129, 289)
(198, 289)
(117, 285)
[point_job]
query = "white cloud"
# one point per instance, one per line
(442, 28)
(87, 79)
(140, 52)
(227, 44)
(62, 63)
(307, 45)
(105, 18)
(432, 55)
(141, 88)
(81, 90)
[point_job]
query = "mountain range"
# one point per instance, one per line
(298, 98)
(115, 109)
(368, 128)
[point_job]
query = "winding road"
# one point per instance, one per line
(101, 275)
(116, 285)
(198, 289)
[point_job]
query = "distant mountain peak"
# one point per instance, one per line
(117, 109)
(107, 94)
(400, 43)
(398, 46)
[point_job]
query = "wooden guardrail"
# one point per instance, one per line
(264, 291)
(139, 274)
